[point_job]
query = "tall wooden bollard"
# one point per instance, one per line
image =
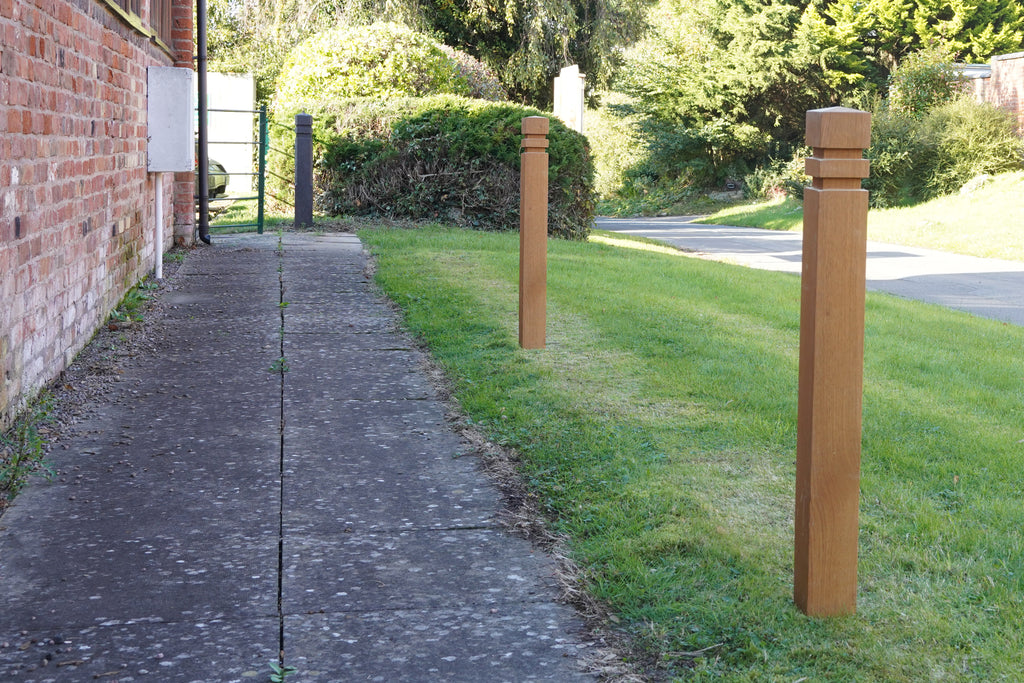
(533, 233)
(831, 363)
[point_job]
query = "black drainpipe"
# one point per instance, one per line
(204, 152)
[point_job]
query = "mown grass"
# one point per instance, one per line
(240, 216)
(658, 430)
(988, 222)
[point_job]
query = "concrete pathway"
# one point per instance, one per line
(213, 513)
(985, 287)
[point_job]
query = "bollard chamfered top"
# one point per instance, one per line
(536, 125)
(838, 128)
(535, 130)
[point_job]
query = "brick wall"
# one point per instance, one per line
(76, 202)
(1005, 87)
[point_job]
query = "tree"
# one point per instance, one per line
(524, 42)
(882, 32)
(753, 62)
(528, 42)
(255, 36)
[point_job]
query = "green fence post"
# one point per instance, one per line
(261, 182)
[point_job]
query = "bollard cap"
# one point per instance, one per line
(838, 128)
(536, 125)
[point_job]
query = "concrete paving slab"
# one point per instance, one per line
(344, 374)
(155, 553)
(226, 296)
(399, 443)
(91, 560)
(412, 569)
(349, 340)
(370, 415)
(514, 643)
(361, 303)
(219, 649)
(330, 317)
(360, 502)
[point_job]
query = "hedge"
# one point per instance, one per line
(440, 158)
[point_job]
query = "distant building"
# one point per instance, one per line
(1000, 82)
(76, 203)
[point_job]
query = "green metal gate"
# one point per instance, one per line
(260, 151)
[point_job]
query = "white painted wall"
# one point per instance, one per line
(238, 92)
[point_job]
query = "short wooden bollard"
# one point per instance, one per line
(831, 363)
(533, 233)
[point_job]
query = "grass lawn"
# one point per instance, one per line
(658, 430)
(240, 216)
(988, 222)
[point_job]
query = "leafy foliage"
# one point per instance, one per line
(780, 177)
(612, 132)
(737, 62)
(255, 36)
(23, 449)
(440, 158)
(527, 42)
(879, 34)
(382, 60)
(524, 43)
(914, 159)
(923, 80)
(723, 86)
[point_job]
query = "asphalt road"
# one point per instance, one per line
(989, 288)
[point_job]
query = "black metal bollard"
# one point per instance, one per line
(303, 171)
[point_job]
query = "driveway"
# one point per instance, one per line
(990, 288)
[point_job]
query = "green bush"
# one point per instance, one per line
(779, 177)
(915, 159)
(924, 80)
(965, 138)
(894, 153)
(443, 158)
(381, 60)
(612, 132)
(483, 82)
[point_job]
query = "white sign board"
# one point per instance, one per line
(169, 110)
(231, 100)
(570, 85)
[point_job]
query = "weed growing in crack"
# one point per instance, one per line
(279, 672)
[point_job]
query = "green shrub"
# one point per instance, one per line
(381, 60)
(779, 177)
(915, 159)
(23, 448)
(443, 158)
(965, 138)
(483, 82)
(614, 140)
(923, 80)
(894, 152)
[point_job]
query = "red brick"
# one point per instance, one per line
(72, 112)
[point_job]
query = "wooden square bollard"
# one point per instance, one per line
(533, 233)
(831, 363)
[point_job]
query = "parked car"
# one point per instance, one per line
(217, 179)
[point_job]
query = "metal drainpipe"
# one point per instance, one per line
(204, 153)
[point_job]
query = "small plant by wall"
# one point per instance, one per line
(23, 449)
